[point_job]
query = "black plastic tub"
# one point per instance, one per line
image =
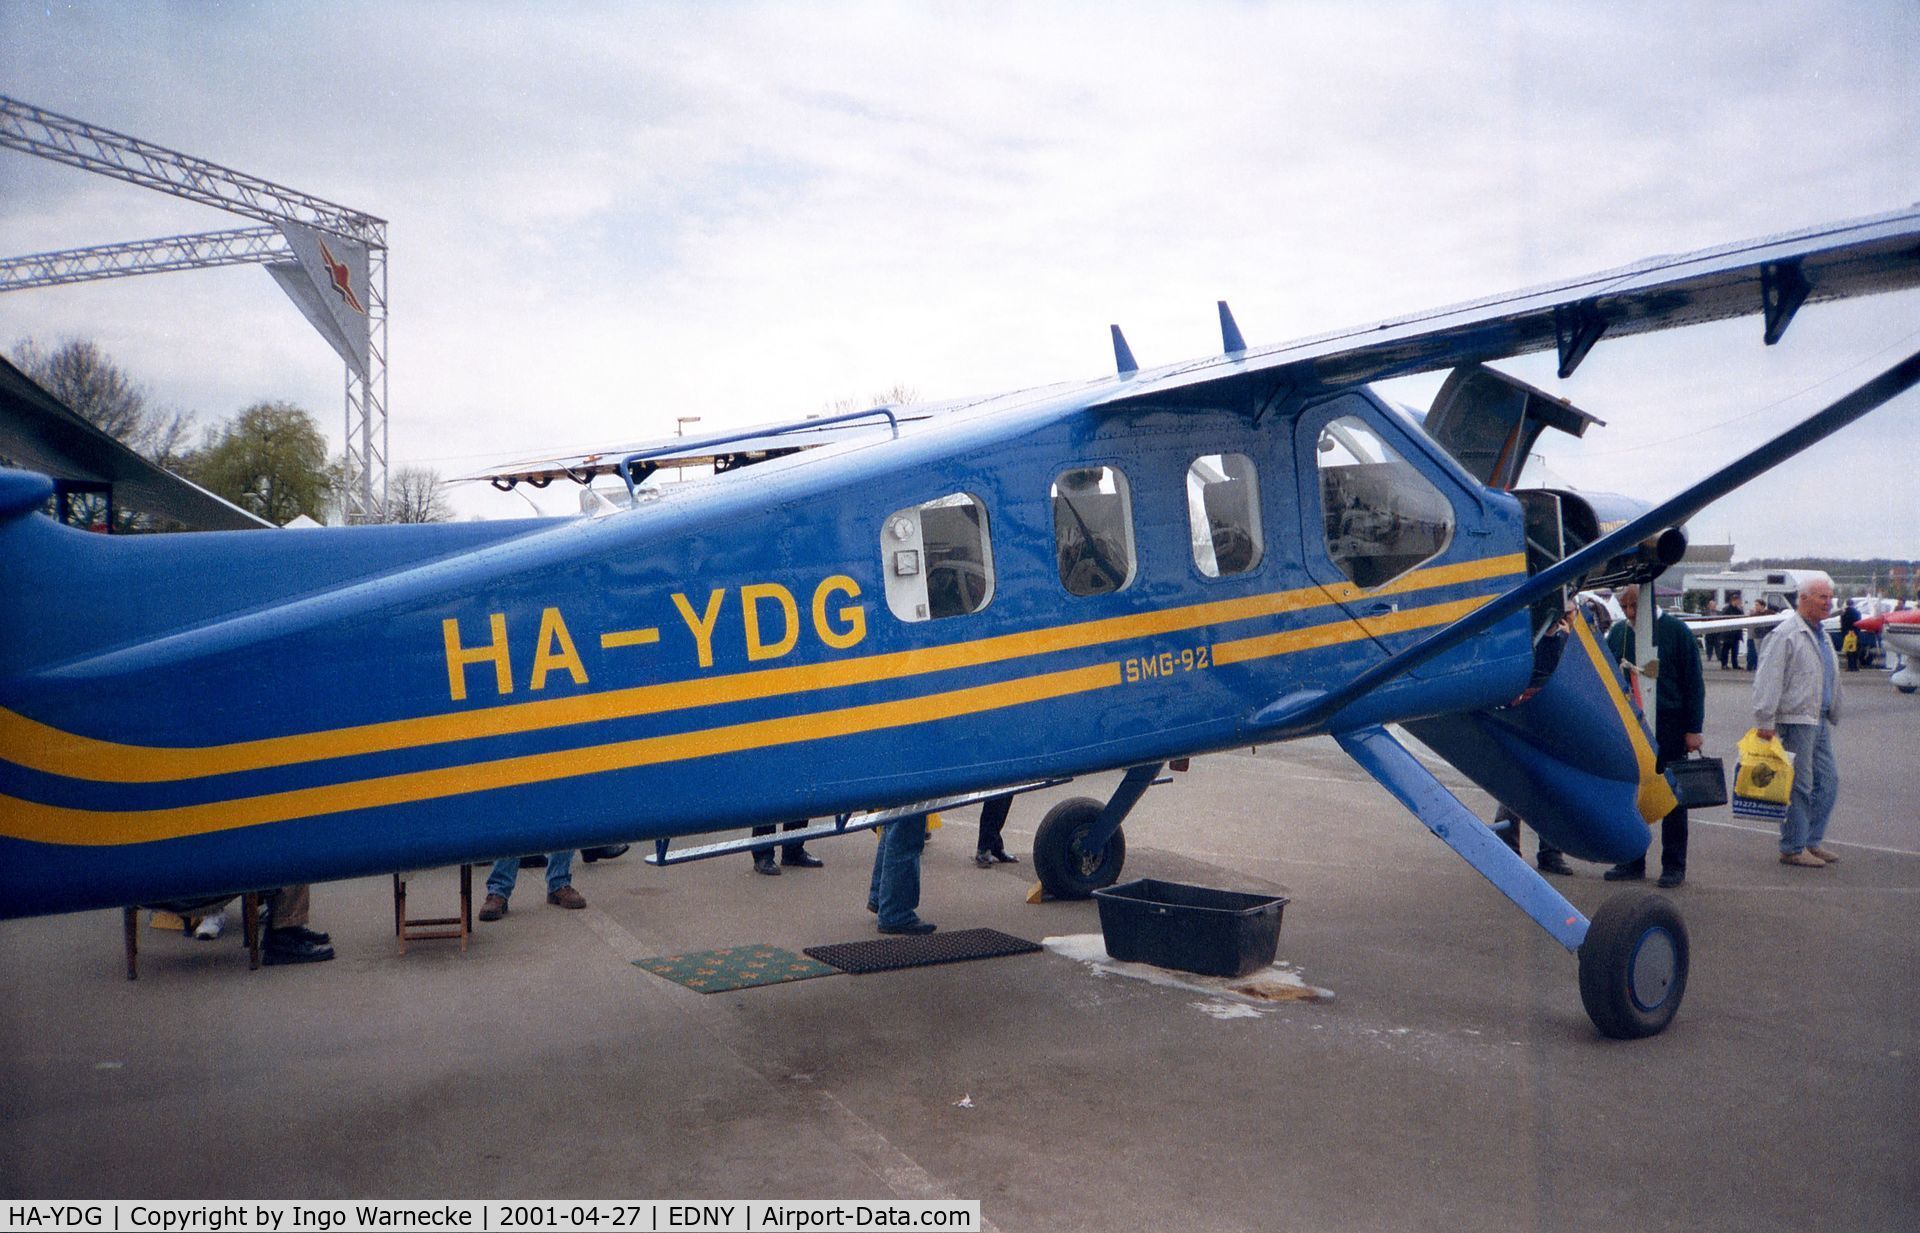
(1190, 928)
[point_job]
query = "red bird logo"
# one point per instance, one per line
(342, 279)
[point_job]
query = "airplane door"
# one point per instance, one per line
(1370, 516)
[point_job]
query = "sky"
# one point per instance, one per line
(605, 217)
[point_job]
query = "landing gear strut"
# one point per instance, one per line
(1079, 847)
(1070, 863)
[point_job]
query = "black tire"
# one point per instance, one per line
(1066, 869)
(1633, 965)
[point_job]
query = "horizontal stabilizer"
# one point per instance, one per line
(753, 444)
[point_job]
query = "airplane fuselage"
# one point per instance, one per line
(207, 713)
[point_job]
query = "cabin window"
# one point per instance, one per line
(937, 559)
(1093, 530)
(1382, 517)
(1223, 513)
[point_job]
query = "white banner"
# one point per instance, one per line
(328, 283)
(495, 1216)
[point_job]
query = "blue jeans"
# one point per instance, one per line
(506, 871)
(896, 870)
(1816, 785)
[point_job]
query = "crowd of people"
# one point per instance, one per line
(1796, 698)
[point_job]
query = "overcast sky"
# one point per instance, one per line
(603, 217)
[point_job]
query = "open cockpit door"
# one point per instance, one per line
(1489, 421)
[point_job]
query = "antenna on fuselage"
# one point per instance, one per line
(1123, 354)
(1229, 332)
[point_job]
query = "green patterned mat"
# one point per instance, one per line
(735, 967)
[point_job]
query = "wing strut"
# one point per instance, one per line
(1302, 712)
(1400, 773)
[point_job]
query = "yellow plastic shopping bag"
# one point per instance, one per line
(1763, 782)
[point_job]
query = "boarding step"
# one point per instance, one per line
(845, 823)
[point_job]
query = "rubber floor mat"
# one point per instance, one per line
(735, 967)
(887, 954)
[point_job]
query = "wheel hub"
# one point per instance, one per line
(1651, 971)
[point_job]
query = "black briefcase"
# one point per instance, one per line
(1699, 782)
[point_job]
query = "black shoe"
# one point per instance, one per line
(983, 859)
(282, 947)
(1671, 878)
(607, 853)
(911, 927)
(306, 935)
(1554, 863)
(533, 862)
(1000, 855)
(1626, 873)
(803, 858)
(763, 863)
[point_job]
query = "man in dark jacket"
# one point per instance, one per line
(1679, 715)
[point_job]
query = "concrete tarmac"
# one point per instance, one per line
(1454, 1082)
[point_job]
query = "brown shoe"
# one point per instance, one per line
(566, 897)
(494, 908)
(1802, 859)
(1830, 857)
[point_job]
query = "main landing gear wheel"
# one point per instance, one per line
(1067, 869)
(1633, 965)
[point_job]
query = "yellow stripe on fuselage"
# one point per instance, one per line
(1287, 641)
(52, 824)
(42, 747)
(1655, 800)
(57, 824)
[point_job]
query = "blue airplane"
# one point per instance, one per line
(872, 616)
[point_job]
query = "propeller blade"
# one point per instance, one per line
(1303, 712)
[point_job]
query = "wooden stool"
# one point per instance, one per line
(250, 930)
(425, 928)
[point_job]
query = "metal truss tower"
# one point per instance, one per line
(63, 139)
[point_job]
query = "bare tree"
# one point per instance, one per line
(898, 394)
(82, 376)
(417, 494)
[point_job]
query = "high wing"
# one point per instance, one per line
(1773, 276)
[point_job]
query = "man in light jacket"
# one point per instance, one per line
(1796, 694)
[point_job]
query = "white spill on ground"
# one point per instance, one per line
(1227, 997)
